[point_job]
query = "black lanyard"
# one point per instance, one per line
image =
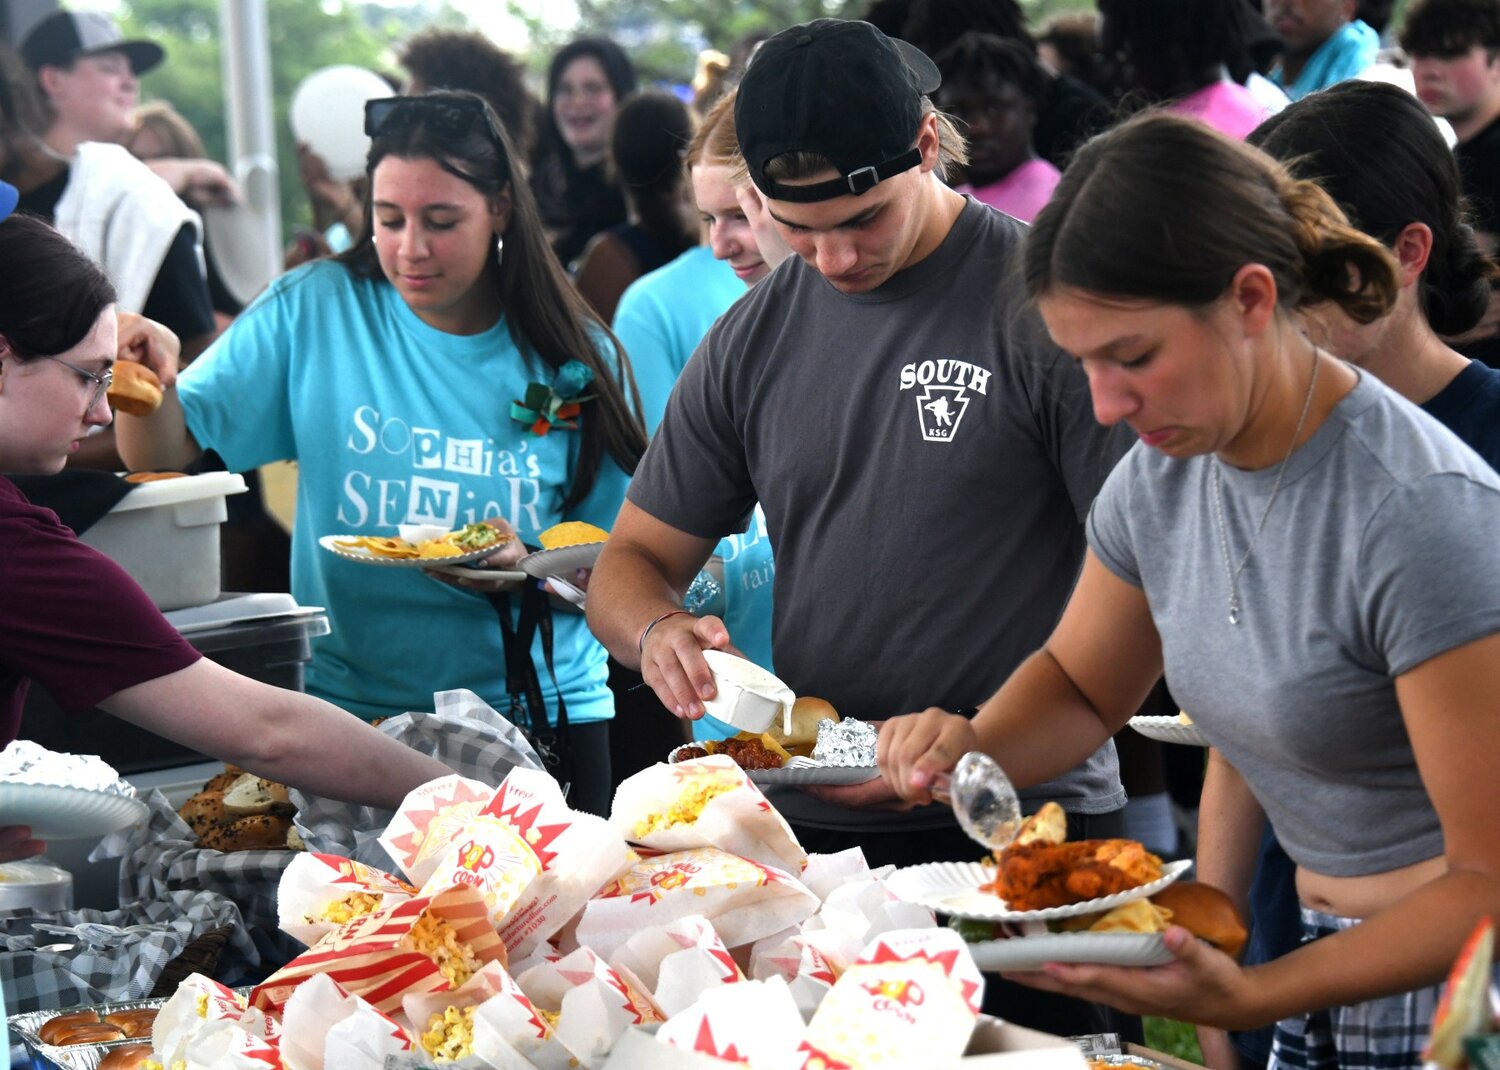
(528, 710)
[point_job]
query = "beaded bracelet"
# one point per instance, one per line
(641, 646)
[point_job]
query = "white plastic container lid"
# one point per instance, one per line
(161, 492)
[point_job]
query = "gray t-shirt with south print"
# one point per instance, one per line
(924, 459)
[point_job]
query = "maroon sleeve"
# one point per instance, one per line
(70, 618)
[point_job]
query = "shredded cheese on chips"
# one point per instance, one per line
(686, 808)
(450, 1034)
(437, 939)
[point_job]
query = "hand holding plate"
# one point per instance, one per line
(1201, 984)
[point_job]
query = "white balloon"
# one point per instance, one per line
(328, 114)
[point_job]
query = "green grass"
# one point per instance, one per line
(1173, 1038)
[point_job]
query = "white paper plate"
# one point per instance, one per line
(952, 888)
(505, 579)
(562, 561)
(1169, 730)
(1027, 953)
(364, 557)
(822, 774)
(60, 813)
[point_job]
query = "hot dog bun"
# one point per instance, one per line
(135, 390)
(1205, 912)
(53, 1028)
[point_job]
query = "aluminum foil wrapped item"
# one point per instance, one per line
(24, 762)
(845, 743)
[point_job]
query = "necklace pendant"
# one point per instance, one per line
(1234, 614)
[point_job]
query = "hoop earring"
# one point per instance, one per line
(374, 239)
(499, 248)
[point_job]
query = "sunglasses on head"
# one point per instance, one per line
(448, 116)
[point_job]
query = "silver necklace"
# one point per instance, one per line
(1233, 572)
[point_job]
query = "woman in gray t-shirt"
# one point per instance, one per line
(1307, 555)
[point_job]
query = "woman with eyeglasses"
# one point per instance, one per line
(418, 378)
(70, 618)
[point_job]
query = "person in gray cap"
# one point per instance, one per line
(87, 72)
(924, 457)
(104, 199)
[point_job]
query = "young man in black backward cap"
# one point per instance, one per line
(924, 458)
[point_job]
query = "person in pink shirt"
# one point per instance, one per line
(1178, 54)
(994, 87)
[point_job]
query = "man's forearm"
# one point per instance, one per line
(627, 591)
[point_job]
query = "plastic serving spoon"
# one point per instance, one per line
(983, 799)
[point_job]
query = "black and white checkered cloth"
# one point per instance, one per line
(77, 957)
(163, 856)
(463, 733)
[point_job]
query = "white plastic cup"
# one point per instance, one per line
(328, 114)
(746, 697)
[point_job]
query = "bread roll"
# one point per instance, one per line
(806, 713)
(203, 812)
(256, 832)
(133, 1023)
(221, 781)
(129, 1057)
(250, 795)
(1205, 912)
(135, 390)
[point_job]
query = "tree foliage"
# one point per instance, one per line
(303, 38)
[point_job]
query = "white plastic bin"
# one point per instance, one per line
(166, 535)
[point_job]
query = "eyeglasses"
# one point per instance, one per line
(448, 115)
(101, 382)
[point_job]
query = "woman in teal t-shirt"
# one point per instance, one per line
(399, 376)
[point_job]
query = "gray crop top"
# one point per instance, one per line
(1379, 553)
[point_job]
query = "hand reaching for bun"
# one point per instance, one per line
(148, 343)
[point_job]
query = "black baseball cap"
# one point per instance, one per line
(63, 36)
(840, 89)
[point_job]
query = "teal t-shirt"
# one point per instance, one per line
(392, 421)
(664, 314)
(660, 320)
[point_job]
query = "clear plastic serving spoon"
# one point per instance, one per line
(983, 799)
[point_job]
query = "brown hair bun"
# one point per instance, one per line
(1205, 912)
(135, 390)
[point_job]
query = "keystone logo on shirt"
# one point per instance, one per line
(944, 389)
